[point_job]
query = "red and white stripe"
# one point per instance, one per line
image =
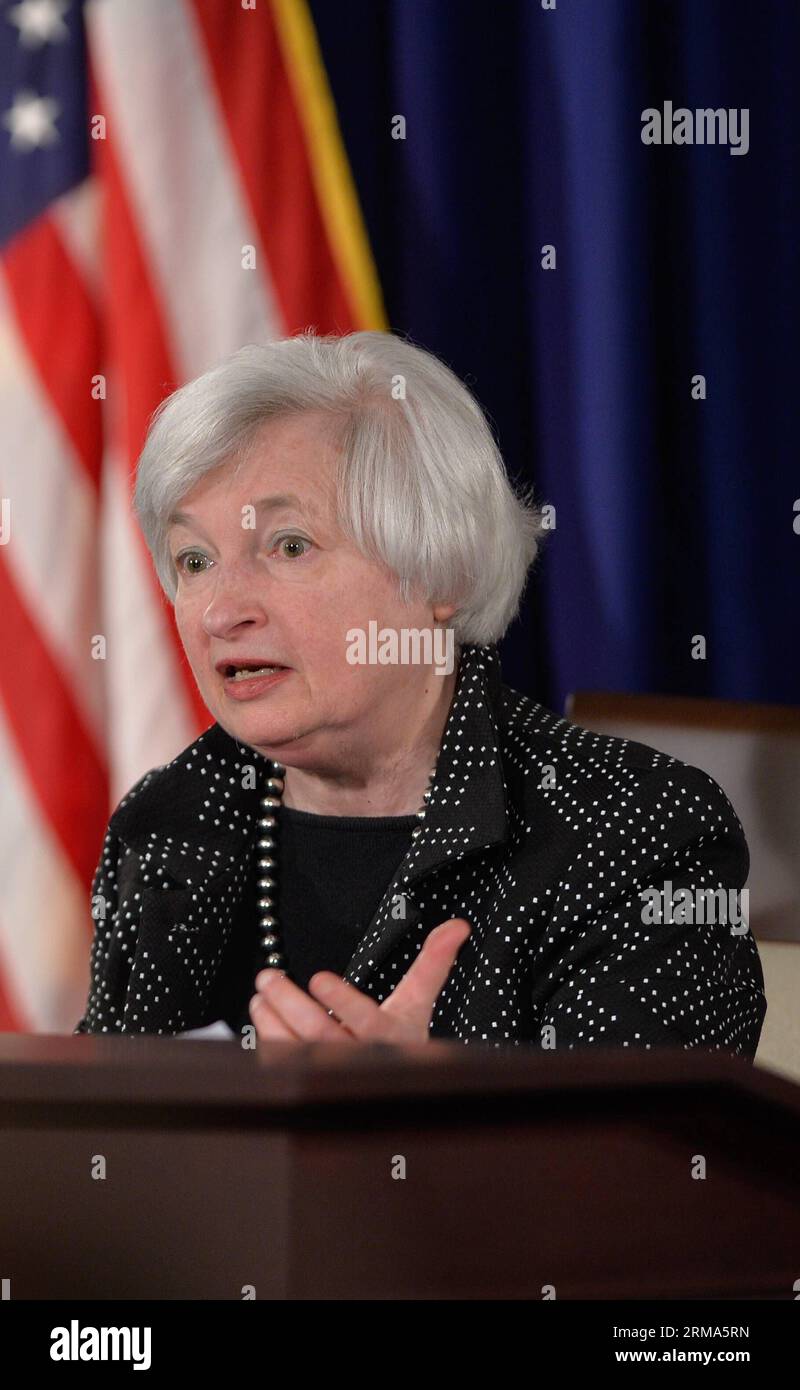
(138, 275)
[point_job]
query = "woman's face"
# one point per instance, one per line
(265, 575)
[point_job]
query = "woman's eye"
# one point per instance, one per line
(288, 546)
(182, 561)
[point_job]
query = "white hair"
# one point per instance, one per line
(420, 484)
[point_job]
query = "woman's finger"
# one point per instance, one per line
(416, 993)
(301, 1015)
(267, 1025)
(355, 1010)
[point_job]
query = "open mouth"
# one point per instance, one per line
(237, 672)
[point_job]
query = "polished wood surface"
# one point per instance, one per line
(226, 1169)
(586, 706)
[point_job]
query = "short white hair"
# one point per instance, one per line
(421, 484)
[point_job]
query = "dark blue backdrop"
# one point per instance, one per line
(675, 516)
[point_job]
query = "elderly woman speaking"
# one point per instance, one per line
(376, 838)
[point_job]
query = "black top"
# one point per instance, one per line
(332, 873)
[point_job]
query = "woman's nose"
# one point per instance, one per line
(235, 601)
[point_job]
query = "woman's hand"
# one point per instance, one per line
(282, 1010)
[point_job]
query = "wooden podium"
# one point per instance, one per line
(157, 1168)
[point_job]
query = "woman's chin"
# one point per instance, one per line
(270, 735)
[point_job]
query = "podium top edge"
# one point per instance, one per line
(145, 1070)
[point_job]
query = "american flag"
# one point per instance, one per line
(174, 184)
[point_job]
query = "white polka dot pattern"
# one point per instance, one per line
(542, 834)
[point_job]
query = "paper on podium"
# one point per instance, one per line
(219, 1032)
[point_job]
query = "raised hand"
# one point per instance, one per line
(281, 1010)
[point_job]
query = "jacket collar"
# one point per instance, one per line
(171, 818)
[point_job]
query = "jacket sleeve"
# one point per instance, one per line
(637, 952)
(115, 910)
(108, 959)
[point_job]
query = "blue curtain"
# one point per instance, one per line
(523, 129)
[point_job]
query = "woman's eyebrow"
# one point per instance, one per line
(264, 504)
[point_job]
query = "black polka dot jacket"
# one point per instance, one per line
(564, 850)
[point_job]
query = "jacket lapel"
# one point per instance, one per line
(466, 813)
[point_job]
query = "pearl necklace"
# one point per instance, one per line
(267, 861)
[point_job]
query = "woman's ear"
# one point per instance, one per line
(443, 611)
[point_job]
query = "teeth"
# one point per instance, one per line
(257, 671)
